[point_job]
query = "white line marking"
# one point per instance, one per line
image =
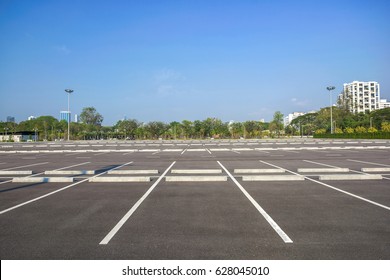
(26, 166)
(235, 152)
(56, 191)
(334, 188)
(208, 151)
(321, 163)
(72, 154)
(373, 163)
(101, 153)
(122, 221)
(183, 151)
(268, 218)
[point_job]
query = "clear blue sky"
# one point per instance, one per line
(176, 60)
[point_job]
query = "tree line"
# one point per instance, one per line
(344, 122)
(90, 127)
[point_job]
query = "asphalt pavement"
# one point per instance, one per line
(287, 199)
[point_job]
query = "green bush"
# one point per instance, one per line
(367, 135)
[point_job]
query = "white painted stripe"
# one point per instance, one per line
(183, 151)
(12, 168)
(235, 152)
(267, 217)
(122, 221)
(372, 163)
(56, 191)
(323, 164)
(334, 188)
(208, 151)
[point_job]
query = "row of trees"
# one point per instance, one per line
(50, 128)
(90, 127)
(343, 122)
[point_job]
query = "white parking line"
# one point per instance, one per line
(309, 161)
(56, 191)
(268, 218)
(26, 165)
(373, 163)
(72, 154)
(208, 151)
(183, 151)
(334, 188)
(122, 221)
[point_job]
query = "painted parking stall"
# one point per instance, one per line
(196, 199)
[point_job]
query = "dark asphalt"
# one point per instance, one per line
(195, 220)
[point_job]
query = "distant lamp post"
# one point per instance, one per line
(68, 91)
(330, 88)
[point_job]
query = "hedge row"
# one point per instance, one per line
(374, 135)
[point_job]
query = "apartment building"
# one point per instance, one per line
(361, 97)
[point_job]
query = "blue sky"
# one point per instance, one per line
(176, 60)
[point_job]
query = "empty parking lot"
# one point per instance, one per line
(242, 199)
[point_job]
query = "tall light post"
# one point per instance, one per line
(330, 88)
(68, 91)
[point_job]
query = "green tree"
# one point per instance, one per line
(90, 116)
(127, 127)
(155, 129)
(277, 123)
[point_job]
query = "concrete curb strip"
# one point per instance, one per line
(132, 172)
(196, 171)
(350, 177)
(273, 178)
(325, 170)
(373, 169)
(70, 172)
(264, 170)
(196, 178)
(43, 180)
(118, 179)
(12, 172)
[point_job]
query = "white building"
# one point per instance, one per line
(361, 97)
(384, 104)
(290, 117)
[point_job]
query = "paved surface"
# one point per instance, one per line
(232, 219)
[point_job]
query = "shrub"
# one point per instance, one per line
(349, 130)
(360, 129)
(372, 130)
(320, 131)
(385, 126)
(338, 131)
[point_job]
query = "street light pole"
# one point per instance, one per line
(330, 88)
(69, 91)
